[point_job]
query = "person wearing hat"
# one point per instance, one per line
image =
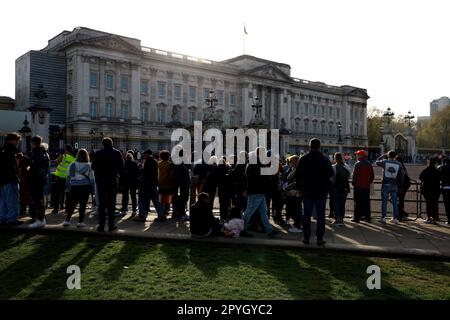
(363, 177)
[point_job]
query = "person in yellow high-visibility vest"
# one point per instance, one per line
(62, 171)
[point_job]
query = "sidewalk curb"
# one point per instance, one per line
(275, 243)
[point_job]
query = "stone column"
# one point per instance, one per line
(135, 94)
(83, 88)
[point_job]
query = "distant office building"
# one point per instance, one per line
(439, 104)
(101, 84)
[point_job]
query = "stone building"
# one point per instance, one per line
(116, 87)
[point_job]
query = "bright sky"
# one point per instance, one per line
(398, 50)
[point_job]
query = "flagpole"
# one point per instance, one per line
(243, 41)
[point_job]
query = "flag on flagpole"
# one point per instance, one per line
(245, 30)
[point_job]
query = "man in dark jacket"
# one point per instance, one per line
(107, 166)
(181, 181)
(444, 172)
(9, 182)
(128, 183)
(148, 189)
(257, 185)
(431, 190)
(38, 175)
(313, 175)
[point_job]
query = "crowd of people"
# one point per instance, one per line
(247, 198)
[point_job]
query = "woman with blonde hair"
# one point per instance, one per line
(80, 183)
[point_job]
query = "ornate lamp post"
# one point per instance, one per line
(381, 140)
(25, 132)
(210, 118)
(388, 115)
(408, 118)
(92, 134)
(339, 126)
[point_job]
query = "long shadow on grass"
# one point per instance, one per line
(20, 274)
(304, 275)
(54, 285)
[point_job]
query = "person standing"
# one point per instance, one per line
(362, 178)
(402, 190)
(293, 197)
(444, 172)
(38, 175)
(148, 189)
(80, 183)
(181, 181)
(257, 187)
(431, 190)
(165, 183)
(9, 182)
(128, 181)
(313, 176)
(61, 173)
(107, 165)
(340, 188)
(392, 178)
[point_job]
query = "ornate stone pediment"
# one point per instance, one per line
(269, 71)
(355, 92)
(112, 42)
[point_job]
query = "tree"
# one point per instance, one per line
(375, 121)
(436, 133)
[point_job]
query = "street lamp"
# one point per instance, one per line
(388, 115)
(92, 134)
(381, 140)
(211, 101)
(257, 107)
(408, 118)
(339, 126)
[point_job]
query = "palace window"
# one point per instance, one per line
(205, 93)
(161, 89)
(338, 113)
(124, 111)
(306, 108)
(144, 114)
(315, 109)
(124, 83)
(220, 96)
(109, 110)
(109, 79)
(144, 87)
(297, 108)
(161, 116)
(93, 109)
(191, 117)
(232, 99)
(69, 78)
(94, 79)
(232, 120)
(177, 91)
(192, 94)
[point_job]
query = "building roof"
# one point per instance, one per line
(5, 99)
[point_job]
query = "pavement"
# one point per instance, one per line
(412, 238)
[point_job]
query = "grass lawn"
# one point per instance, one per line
(33, 266)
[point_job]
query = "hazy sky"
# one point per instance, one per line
(398, 50)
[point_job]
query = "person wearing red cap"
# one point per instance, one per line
(363, 177)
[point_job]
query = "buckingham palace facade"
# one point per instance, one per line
(113, 86)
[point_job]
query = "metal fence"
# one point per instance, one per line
(414, 202)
